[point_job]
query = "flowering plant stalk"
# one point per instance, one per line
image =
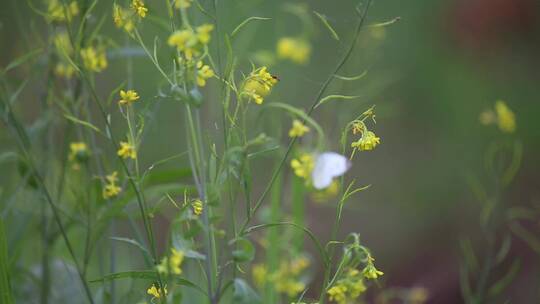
(226, 222)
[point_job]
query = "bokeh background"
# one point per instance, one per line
(430, 75)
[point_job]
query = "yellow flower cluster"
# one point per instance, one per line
(172, 263)
(128, 97)
(327, 193)
(127, 18)
(347, 289)
(191, 42)
(197, 206)
(286, 278)
(367, 142)
(94, 58)
(57, 13)
(370, 272)
(502, 116)
(111, 189)
(127, 150)
(180, 4)
(259, 272)
(78, 152)
(156, 292)
(123, 18)
(64, 49)
(204, 72)
(303, 165)
(298, 129)
(258, 85)
(297, 50)
(139, 8)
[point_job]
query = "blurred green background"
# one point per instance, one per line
(429, 75)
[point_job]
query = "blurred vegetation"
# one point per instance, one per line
(429, 75)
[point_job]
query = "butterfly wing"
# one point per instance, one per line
(327, 166)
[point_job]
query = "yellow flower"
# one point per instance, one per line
(185, 41)
(358, 127)
(298, 265)
(347, 289)
(111, 189)
(78, 151)
(502, 116)
(171, 263)
(182, 3)
(367, 142)
(378, 33)
(94, 59)
(64, 70)
(128, 97)
(156, 292)
(337, 293)
(370, 272)
(297, 50)
(290, 287)
(259, 273)
(418, 295)
(506, 120)
(203, 72)
(287, 279)
(327, 193)
(197, 206)
(303, 165)
(203, 33)
(123, 18)
(63, 44)
(127, 150)
(139, 8)
(57, 13)
(258, 85)
(298, 129)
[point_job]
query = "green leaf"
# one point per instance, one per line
(5, 286)
(524, 234)
(352, 78)
(133, 242)
(143, 274)
(244, 294)
(503, 282)
(332, 97)
(328, 26)
(22, 59)
(82, 122)
(244, 251)
(184, 282)
(246, 22)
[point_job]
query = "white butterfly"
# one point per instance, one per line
(328, 165)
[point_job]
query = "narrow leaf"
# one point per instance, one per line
(351, 78)
(327, 25)
(22, 59)
(132, 242)
(82, 122)
(502, 283)
(331, 97)
(143, 274)
(246, 22)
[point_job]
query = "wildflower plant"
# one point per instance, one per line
(226, 223)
